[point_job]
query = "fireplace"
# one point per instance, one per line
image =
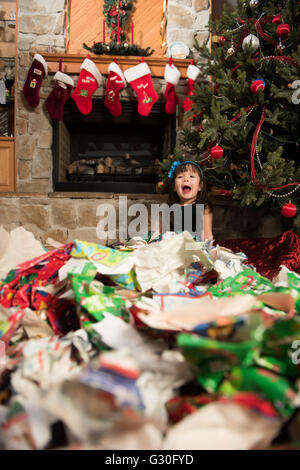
(103, 153)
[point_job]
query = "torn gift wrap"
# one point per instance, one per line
(107, 260)
(116, 264)
(159, 263)
(17, 246)
(159, 314)
(222, 426)
(16, 288)
(269, 385)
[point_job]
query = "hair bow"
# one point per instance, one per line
(177, 163)
(173, 168)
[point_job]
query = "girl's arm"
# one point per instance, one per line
(208, 219)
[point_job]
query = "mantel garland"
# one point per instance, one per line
(116, 13)
(115, 48)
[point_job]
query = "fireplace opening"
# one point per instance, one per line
(103, 153)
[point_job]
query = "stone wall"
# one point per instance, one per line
(41, 27)
(187, 20)
(60, 216)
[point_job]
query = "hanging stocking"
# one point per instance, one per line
(192, 74)
(88, 81)
(36, 74)
(115, 83)
(172, 76)
(59, 95)
(139, 78)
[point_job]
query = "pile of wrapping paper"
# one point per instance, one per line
(170, 345)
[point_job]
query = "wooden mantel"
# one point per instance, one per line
(71, 63)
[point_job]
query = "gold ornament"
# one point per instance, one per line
(125, 45)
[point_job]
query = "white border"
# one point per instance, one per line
(63, 77)
(113, 67)
(172, 74)
(41, 59)
(137, 71)
(192, 72)
(91, 67)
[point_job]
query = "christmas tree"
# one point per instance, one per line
(245, 117)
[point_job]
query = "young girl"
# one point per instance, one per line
(188, 188)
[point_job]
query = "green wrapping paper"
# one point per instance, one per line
(216, 355)
(245, 282)
(273, 387)
(261, 362)
(106, 257)
(97, 298)
(278, 339)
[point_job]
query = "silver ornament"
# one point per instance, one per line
(251, 40)
(230, 51)
(253, 3)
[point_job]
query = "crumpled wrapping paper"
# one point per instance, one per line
(222, 426)
(159, 263)
(16, 247)
(111, 338)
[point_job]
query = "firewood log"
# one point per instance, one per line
(109, 161)
(100, 168)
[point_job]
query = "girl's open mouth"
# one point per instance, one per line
(186, 189)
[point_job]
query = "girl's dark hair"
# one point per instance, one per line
(202, 198)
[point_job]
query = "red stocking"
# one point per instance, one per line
(192, 74)
(115, 83)
(59, 95)
(172, 76)
(139, 78)
(88, 82)
(36, 74)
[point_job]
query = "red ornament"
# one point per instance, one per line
(224, 192)
(216, 151)
(200, 128)
(276, 19)
(258, 84)
(288, 210)
(160, 187)
(283, 31)
(216, 89)
(221, 40)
